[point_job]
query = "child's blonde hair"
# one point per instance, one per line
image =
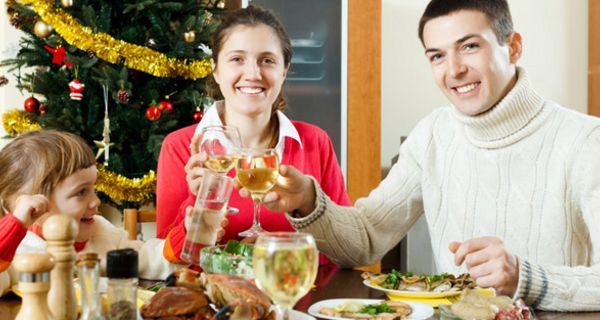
(37, 161)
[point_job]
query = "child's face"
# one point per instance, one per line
(75, 196)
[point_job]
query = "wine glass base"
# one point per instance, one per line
(252, 232)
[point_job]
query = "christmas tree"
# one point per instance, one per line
(121, 74)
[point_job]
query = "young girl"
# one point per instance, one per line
(48, 172)
(251, 54)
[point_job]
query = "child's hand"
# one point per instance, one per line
(30, 207)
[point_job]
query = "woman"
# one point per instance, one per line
(251, 57)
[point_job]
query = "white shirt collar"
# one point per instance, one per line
(286, 128)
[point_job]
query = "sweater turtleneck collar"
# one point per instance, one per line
(516, 116)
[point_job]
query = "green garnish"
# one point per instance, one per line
(236, 247)
(436, 277)
(374, 309)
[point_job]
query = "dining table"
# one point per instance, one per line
(335, 282)
(331, 283)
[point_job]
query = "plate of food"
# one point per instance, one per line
(347, 309)
(408, 285)
(473, 304)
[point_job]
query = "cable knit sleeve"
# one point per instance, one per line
(362, 234)
(572, 288)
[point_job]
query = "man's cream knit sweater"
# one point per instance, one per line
(527, 171)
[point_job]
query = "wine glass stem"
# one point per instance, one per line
(256, 222)
(286, 313)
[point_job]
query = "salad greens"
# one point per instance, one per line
(237, 248)
(374, 309)
(392, 279)
(232, 258)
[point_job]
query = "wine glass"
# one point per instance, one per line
(221, 144)
(257, 171)
(285, 267)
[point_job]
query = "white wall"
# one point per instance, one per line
(10, 97)
(555, 55)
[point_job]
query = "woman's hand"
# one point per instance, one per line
(293, 191)
(188, 223)
(489, 263)
(28, 208)
(194, 168)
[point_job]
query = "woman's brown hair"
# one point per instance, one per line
(37, 161)
(250, 16)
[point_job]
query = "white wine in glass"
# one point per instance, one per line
(221, 144)
(220, 163)
(257, 171)
(285, 266)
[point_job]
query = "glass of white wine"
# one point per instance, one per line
(285, 267)
(221, 144)
(257, 171)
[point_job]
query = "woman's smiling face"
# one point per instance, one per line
(250, 69)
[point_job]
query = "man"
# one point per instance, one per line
(508, 181)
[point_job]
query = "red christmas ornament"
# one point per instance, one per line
(153, 113)
(166, 105)
(198, 116)
(58, 55)
(43, 109)
(31, 104)
(76, 89)
(123, 96)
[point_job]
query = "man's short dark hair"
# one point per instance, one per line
(496, 11)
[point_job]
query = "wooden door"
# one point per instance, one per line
(364, 97)
(364, 100)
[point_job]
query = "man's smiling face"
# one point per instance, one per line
(469, 64)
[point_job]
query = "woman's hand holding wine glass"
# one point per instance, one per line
(215, 148)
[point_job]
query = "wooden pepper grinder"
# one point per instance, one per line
(60, 232)
(34, 283)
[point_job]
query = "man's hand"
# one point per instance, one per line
(293, 191)
(194, 168)
(30, 207)
(489, 263)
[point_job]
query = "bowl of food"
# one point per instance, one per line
(232, 258)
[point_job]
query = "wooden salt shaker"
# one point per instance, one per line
(60, 232)
(34, 283)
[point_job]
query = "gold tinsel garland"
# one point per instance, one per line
(15, 122)
(117, 51)
(116, 186)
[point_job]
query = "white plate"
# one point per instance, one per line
(411, 294)
(297, 315)
(419, 310)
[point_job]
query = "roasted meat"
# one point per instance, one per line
(177, 303)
